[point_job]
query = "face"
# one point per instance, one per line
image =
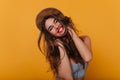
(55, 27)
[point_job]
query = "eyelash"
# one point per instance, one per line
(52, 26)
(56, 21)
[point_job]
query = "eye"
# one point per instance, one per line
(50, 28)
(55, 20)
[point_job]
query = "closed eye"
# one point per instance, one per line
(55, 20)
(50, 28)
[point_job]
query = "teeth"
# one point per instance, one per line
(60, 29)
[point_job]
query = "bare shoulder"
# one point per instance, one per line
(85, 38)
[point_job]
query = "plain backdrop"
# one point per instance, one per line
(20, 58)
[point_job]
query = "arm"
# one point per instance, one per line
(64, 68)
(87, 41)
(83, 47)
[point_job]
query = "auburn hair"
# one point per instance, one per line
(52, 51)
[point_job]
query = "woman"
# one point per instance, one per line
(67, 53)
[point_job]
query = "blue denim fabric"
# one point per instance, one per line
(78, 70)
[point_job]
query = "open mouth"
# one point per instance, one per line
(60, 29)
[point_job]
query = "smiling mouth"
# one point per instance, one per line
(60, 29)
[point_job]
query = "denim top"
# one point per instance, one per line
(78, 70)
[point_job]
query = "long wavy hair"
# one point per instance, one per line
(52, 52)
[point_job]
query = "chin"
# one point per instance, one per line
(62, 35)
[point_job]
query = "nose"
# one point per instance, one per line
(55, 26)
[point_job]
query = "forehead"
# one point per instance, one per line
(49, 22)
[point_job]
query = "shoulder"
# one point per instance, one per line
(85, 38)
(87, 41)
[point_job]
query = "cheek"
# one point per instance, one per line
(53, 32)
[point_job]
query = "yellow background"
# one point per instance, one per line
(20, 58)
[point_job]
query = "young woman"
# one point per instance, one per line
(67, 53)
